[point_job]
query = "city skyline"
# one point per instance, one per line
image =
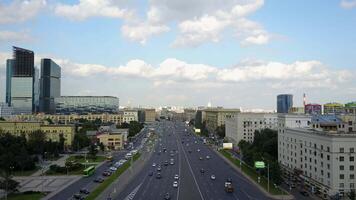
(152, 55)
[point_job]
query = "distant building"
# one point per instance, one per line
(243, 125)
(112, 138)
(22, 82)
(5, 110)
(86, 104)
(150, 115)
(189, 114)
(313, 109)
(9, 67)
(296, 110)
(350, 108)
(215, 117)
(129, 115)
(284, 103)
(50, 86)
(334, 108)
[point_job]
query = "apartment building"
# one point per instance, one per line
(113, 139)
(215, 117)
(243, 125)
(129, 115)
(320, 158)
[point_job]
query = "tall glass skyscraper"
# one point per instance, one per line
(9, 66)
(22, 81)
(284, 103)
(50, 85)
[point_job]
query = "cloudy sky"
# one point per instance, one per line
(233, 53)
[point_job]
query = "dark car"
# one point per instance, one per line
(158, 176)
(106, 173)
(98, 180)
(304, 193)
(202, 170)
(165, 163)
(84, 191)
(78, 196)
(150, 173)
(167, 196)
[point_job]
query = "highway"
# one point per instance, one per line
(88, 182)
(193, 185)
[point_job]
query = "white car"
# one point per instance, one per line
(113, 169)
(213, 177)
(207, 157)
(175, 184)
(198, 150)
(154, 165)
(176, 177)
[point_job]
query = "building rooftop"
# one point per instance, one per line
(333, 134)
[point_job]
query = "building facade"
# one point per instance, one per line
(189, 114)
(129, 115)
(284, 103)
(215, 117)
(114, 139)
(243, 125)
(296, 110)
(50, 86)
(6, 111)
(334, 108)
(150, 115)
(86, 104)
(313, 109)
(350, 108)
(9, 67)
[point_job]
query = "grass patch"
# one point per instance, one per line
(74, 172)
(27, 196)
(81, 159)
(249, 171)
(25, 173)
(98, 190)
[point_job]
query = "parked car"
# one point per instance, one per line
(84, 191)
(304, 193)
(98, 180)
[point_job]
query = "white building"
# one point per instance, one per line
(129, 115)
(243, 125)
(320, 158)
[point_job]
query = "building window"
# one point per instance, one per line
(342, 150)
(352, 168)
(342, 176)
(328, 149)
(328, 174)
(352, 185)
(342, 167)
(352, 158)
(341, 185)
(328, 157)
(352, 150)
(352, 176)
(341, 158)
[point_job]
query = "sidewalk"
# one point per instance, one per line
(286, 197)
(61, 162)
(124, 179)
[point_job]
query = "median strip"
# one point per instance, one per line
(98, 190)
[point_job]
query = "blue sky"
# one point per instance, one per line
(227, 41)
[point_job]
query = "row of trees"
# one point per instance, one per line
(264, 148)
(134, 127)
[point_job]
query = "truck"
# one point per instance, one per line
(228, 186)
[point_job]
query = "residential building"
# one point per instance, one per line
(50, 86)
(334, 108)
(215, 117)
(113, 139)
(22, 81)
(86, 104)
(243, 125)
(284, 103)
(150, 115)
(52, 132)
(350, 108)
(129, 115)
(321, 159)
(313, 109)
(189, 114)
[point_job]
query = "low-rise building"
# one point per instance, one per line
(114, 139)
(52, 132)
(350, 108)
(296, 110)
(215, 117)
(243, 125)
(313, 109)
(129, 115)
(334, 108)
(150, 115)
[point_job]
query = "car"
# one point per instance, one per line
(195, 142)
(172, 163)
(200, 158)
(84, 191)
(113, 169)
(106, 173)
(198, 150)
(165, 163)
(167, 196)
(158, 176)
(150, 173)
(207, 157)
(202, 170)
(98, 180)
(176, 177)
(304, 193)
(154, 165)
(78, 196)
(212, 177)
(159, 169)
(175, 184)
(189, 151)
(172, 154)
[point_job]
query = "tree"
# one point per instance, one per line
(352, 195)
(80, 141)
(61, 142)
(102, 147)
(8, 184)
(134, 128)
(93, 151)
(220, 130)
(2, 119)
(50, 121)
(36, 142)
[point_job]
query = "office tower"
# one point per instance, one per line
(22, 81)
(284, 103)
(9, 66)
(50, 86)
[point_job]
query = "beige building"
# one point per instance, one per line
(150, 115)
(52, 132)
(215, 117)
(114, 140)
(129, 115)
(189, 114)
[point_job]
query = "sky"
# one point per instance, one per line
(232, 53)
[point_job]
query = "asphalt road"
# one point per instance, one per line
(88, 182)
(193, 185)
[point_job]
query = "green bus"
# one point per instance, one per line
(89, 171)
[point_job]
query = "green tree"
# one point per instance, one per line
(92, 151)
(36, 142)
(220, 131)
(134, 128)
(50, 121)
(102, 147)
(2, 119)
(80, 141)
(8, 184)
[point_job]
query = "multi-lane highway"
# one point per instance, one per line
(190, 157)
(88, 182)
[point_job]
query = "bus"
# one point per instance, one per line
(89, 171)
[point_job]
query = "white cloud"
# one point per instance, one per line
(348, 4)
(10, 36)
(20, 10)
(93, 8)
(140, 32)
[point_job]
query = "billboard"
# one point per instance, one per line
(197, 130)
(227, 145)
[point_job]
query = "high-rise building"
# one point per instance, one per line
(50, 86)
(9, 67)
(284, 103)
(22, 81)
